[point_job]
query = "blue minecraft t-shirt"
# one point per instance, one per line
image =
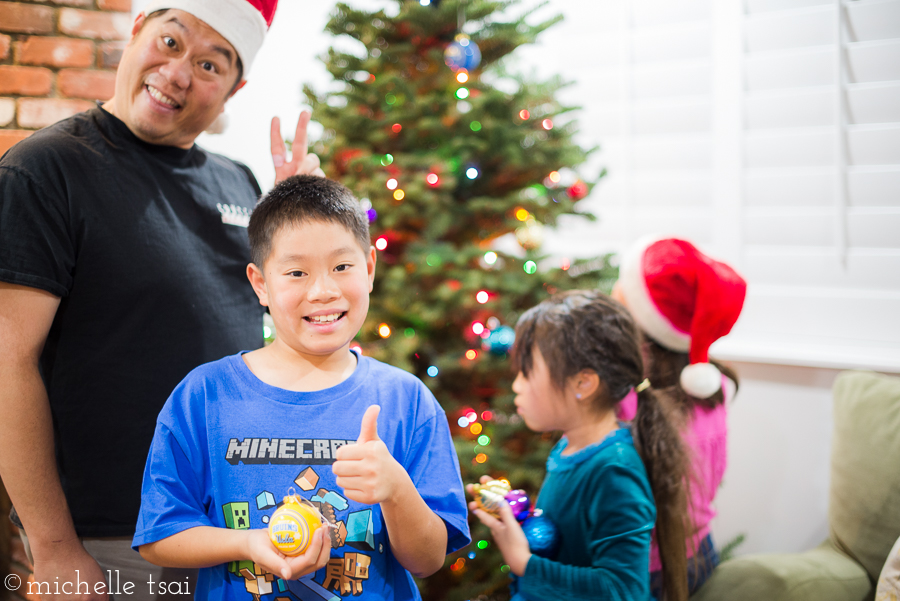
(228, 448)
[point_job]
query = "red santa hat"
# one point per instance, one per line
(685, 301)
(243, 23)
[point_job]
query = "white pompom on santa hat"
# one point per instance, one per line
(685, 301)
(243, 23)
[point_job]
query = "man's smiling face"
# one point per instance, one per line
(174, 78)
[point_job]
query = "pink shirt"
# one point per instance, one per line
(706, 436)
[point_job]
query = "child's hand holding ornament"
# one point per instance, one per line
(295, 543)
(262, 551)
(517, 530)
(508, 536)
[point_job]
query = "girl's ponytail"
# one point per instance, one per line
(664, 456)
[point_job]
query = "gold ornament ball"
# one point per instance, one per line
(293, 525)
(488, 496)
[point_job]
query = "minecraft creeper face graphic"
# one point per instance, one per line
(237, 515)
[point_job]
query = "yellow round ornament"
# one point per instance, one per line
(293, 525)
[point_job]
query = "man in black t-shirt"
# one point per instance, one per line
(122, 267)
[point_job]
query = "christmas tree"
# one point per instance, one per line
(452, 156)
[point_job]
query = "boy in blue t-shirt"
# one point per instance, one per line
(366, 443)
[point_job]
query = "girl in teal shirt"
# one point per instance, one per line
(578, 355)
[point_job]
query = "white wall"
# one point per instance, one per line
(775, 489)
(698, 105)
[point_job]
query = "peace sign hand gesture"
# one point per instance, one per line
(302, 162)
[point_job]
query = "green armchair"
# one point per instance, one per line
(863, 512)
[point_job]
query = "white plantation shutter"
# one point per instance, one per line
(768, 132)
(642, 73)
(821, 186)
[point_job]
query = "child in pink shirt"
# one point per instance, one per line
(684, 301)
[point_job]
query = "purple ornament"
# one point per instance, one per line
(519, 504)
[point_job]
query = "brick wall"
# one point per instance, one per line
(12, 555)
(13, 559)
(56, 58)
(20, 566)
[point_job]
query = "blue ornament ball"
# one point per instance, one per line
(543, 536)
(462, 53)
(500, 340)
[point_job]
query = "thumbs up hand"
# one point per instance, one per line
(366, 470)
(368, 430)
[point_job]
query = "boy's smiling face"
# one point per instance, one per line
(316, 283)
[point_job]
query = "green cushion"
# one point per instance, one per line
(865, 467)
(821, 574)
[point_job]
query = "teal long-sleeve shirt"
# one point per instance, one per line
(600, 499)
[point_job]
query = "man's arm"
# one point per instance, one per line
(27, 458)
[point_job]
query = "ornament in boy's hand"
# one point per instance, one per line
(293, 524)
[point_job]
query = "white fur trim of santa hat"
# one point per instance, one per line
(238, 21)
(701, 380)
(637, 296)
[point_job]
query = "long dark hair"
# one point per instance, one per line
(587, 330)
(664, 371)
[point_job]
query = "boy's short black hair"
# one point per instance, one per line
(301, 199)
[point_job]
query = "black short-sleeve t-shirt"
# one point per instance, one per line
(147, 247)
